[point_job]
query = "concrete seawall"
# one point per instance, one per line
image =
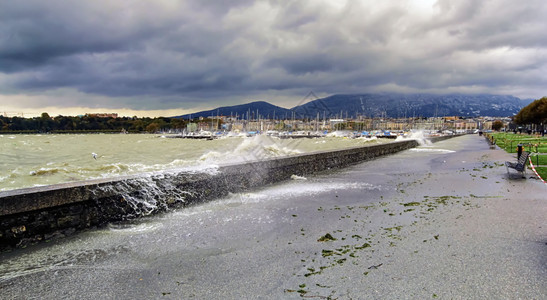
(36, 214)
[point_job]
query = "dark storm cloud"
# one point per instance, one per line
(35, 32)
(157, 54)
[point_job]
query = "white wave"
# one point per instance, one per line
(339, 134)
(236, 134)
(48, 171)
(367, 139)
(276, 151)
(252, 148)
(419, 136)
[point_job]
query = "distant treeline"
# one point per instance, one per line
(88, 124)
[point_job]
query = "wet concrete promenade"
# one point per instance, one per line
(441, 221)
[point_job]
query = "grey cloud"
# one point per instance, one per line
(167, 52)
(486, 24)
(35, 32)
(302, 63)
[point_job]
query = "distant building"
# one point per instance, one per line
(103, 115)
(467, 124)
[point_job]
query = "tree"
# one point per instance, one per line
(89, 123)
(534, 113)
(64, 123)
(46, 123)
(178, 123)
(497, 125)
(153, 127)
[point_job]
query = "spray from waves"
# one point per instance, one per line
(144, 195)
(419, 136)
(153, 192)
(368, 139)
(275, 150)
(253, 148)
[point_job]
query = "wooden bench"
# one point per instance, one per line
(520, 165)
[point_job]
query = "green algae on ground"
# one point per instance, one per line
(340, 256)
(315, 272)
(365, 245)
(398, 228)
(326, 238)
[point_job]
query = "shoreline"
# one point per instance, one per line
(416, 224)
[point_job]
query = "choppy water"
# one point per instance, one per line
(34, 160)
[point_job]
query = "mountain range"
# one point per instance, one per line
(378, 105)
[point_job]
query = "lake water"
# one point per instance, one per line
(35, 160)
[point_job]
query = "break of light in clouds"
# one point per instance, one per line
(173, 57)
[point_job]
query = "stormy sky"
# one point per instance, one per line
(171, 57)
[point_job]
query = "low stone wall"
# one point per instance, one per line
(43, 213)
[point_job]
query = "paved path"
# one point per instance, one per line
(433, 222)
